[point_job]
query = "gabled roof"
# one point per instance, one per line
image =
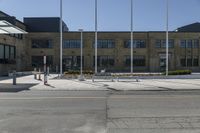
(195, 27)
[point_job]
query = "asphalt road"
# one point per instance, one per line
(100, 112)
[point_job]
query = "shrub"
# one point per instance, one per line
(179, 72)
(77, 72)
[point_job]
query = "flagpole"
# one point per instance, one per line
(61, 38)
(167, 37)
(96, 70)
(131, 36)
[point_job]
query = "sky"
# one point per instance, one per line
(113, 15)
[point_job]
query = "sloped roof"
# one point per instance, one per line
(44, 24)
(195, 27)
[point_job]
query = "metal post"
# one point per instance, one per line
(131, 36)
(14, 78)
(81, 78)
(96, 70)
(167, 39)
(39, 78)
(45, 70)
(48, 70)
(35, 75)
(61, 39)
(57, 69)
(81, 52)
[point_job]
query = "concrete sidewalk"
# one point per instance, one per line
(29, 83)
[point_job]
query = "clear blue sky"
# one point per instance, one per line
(113, 15)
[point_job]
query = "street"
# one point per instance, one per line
(100, 112)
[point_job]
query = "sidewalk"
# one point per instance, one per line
(29, 83)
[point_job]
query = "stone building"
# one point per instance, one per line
(149, 54)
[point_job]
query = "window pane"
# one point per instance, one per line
(7, 50)
(105, 61)
(72, 44)
(189, 44)
(189, 62)
(196, 44)
(196, 62)
(183, 62)
(183, 44)
(158, 43)
(38, 61)
(1, 51)
(42, 44)
(105, 44)
(137, 60)
(136, 44)
(171, 43)
(12, 52)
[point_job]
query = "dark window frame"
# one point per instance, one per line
(40, 43)
(161, 43)
(138, 61)
(71, 43)
(105, 44)
(104, 61)
(8, 59)
(137, 43)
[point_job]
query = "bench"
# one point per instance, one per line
(128, 77)
(102, 76)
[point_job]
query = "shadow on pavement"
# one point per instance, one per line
(5, 78)
(50, 85)
(6, 87)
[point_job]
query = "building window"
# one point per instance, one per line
(137, 60)
(189, 43)
(190, 62)
(42, 44)
(105, 44)
(1, 51)
(7, 54)
(72, 62)
(195, 62)
(196, 44)
(183, 44)
(162, 43)
(136, 44)
(38, 61)
(12, 52)
(18, 36)
(104, 61)
(72, 44)
(183, 62)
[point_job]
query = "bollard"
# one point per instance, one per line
(35, 75)
(45, 78)
(39, 75)
(48, 71)
(56, 69)
(14, 78)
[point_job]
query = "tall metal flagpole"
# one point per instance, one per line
(81, 30)
(167, 38)
(61, 39)
(131, 36)
(96, 36)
